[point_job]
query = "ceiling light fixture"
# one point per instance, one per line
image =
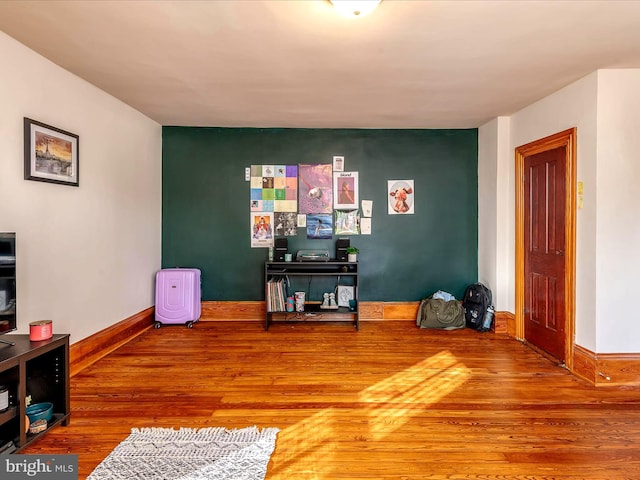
(355, 8)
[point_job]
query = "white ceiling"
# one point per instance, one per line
(296, 63)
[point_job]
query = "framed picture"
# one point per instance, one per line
(345, 293)
(50, 154)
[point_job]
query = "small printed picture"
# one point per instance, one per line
(347, 222)
(367, 208)
(400, 197)
(261, 229)
(338, 164)
(319, 225)
(286, 224)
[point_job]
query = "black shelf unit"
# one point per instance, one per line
(39, 369)
(8, 295)
(346, 272)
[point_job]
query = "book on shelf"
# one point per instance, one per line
(276, 295)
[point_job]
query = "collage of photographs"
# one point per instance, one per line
(322, 199)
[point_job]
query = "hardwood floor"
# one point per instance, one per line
(388, 402)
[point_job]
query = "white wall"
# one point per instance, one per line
(605, 108)
(86, 255)
(495, 227)
(572, 106)
(618, 220)
(487, 206)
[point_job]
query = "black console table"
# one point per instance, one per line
(345, 273)
(39, 369)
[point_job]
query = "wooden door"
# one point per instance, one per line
(544, 251)
(545, 244)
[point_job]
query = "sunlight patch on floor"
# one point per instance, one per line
(411, 391)
(309, 443)
(393, 402)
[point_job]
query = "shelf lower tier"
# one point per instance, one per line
(8, 414)
(313, 312)
(315, 308)
(57, 419)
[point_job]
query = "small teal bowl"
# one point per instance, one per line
(40, 411)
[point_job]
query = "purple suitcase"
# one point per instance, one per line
(177, 296)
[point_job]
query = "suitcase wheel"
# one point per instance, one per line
(189, 324)
(157, 325)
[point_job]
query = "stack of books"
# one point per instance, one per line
(276, 295)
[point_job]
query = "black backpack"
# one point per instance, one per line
(477, 300)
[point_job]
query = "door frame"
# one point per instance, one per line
(567, 139)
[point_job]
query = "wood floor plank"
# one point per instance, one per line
(388, 402)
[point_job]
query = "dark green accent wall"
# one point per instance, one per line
(206, 217)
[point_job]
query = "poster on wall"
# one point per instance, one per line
(285, 224)
(319, 226)
(367, 208)
(274, 188)
(315, 188)
(261, 229)
(345, 190)
(400, 195)
(347, 222)
(365, 226)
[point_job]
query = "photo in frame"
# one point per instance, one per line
(50, 154)
(345, 293)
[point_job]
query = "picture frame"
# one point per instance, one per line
(51, 154)
(345, 293)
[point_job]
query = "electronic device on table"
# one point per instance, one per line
(312, 256)
(8, 319)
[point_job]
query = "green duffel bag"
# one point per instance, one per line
(438, 313)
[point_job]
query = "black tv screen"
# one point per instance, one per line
(8, 318)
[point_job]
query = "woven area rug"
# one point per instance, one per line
(190, 454)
